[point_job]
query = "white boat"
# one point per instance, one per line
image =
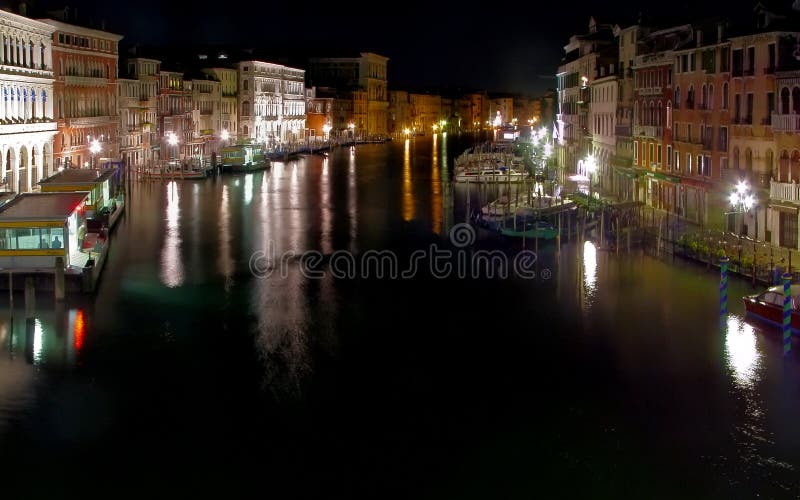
(500, 174)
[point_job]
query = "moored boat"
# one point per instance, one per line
(500, 174)
(767, 306)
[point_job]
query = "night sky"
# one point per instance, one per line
(499, 46)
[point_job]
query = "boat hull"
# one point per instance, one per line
(194, 175)
(489, 178)
(238, 169)
(769, 313)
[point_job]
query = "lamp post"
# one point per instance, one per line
(326, 129)
(352, 127)
(225, 135)
(742, 201)
(94, 148)
(590, 165)
(172, 140)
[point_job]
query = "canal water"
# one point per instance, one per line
(214, 359)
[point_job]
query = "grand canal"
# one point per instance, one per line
(610, 377)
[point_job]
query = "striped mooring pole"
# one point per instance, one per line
(723, 286)
(787, 312)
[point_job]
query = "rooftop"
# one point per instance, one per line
(72, 176)
(41, 206)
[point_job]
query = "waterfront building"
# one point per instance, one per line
(206, 99)
(476, 111)
(652, 116)
(175, 115)
(37, 228)
(102, 186)
(580, 66)
(701, 126)
(85, 91)
(502, 107)
(272, 103)
(366, 73)
(604, 92)
(399, 113)
(426, 110)
(228, 105)
(27, 125)
(624, 178)
(319, 115)
(138, 112)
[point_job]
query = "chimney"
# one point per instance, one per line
(699, 34)
(719, 32)
(23, 9)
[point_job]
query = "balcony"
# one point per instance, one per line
(784, 191)
(19, 128)
(21, 70)
(785, 123)
(650, 91)
(86, 81)
(648, 131)
(90, 121)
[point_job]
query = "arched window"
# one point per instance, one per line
(244, 130)
(769, 163)
(710, 102)
(796, 100)
(784, 101)
(690, 97)
(725, 95)
(659, 113)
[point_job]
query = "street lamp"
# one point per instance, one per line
(434, 128)
(94, 148)
(224, 135)
(172, 140)
(590, 165)
(352, 127)
(326, 129)
(741, 199)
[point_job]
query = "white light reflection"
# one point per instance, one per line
(171, 259)
(741, 352)
(225, 261)
(248, 188)
(38, 338)
(352, 202)
(590, 267)
(326, 241)
(295, 229)
(408, 194)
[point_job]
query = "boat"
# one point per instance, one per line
(244, 158)
(499, 174)
(767, 306)
(537, 229)
(174, 170)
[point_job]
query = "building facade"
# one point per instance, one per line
(272, 103)
(229, 105)
(367, 73)
(86, 64)
(27, 125)
(138, 95)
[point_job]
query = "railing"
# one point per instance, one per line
(785, 123)
(650, 91)
(17, 128)
(784, 191)
(88, 121)
(86, 81)
(648, 130)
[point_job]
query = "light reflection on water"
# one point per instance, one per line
(741, 352)
(408, 191)
(172, 273)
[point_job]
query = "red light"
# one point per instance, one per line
(80, 330)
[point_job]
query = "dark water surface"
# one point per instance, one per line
(187, 375)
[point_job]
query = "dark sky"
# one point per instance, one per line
(501, 46)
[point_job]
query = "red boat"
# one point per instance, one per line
(768, 306)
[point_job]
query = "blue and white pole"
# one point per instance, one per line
(723, 286)
(787, 313)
